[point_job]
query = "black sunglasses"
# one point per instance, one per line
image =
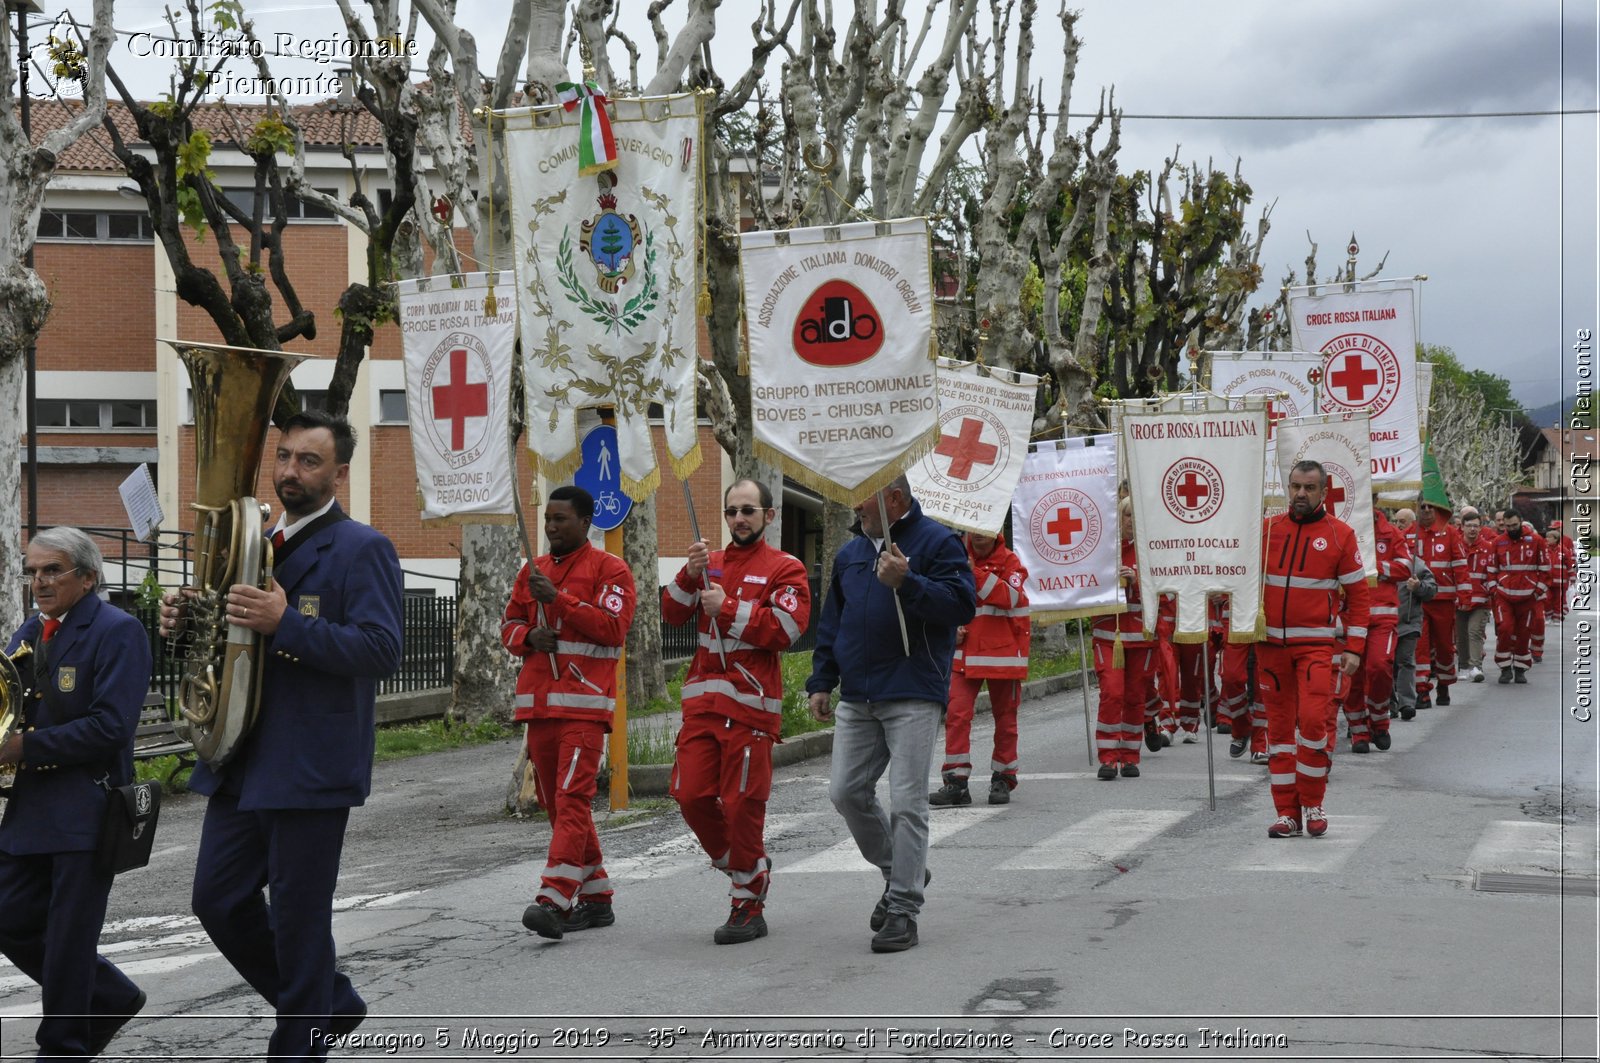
(734, 511)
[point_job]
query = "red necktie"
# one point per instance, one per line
(50, 626)
(277, 539)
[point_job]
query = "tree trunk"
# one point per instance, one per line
(645, 678)
(485, 675)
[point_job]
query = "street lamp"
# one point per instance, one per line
(23, 9)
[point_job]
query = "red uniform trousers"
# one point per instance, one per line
(1246, 715)
(1556, 600)
(1004, 697)
(721, 780)
(566, 761)
(1297, 684)
(1535, 634)
(1439, 630)
(1163, 708)
(1192, 681)
(1514, 621)
(1123, 694)
(1367, 702)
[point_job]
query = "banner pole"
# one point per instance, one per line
(899, 612)
(527, 543)
(1083, 685)
(1205, 716)
(705, 577)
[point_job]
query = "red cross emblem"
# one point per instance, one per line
(1354, 377)
(1064, 526)
(458, 400)
(967, 449)
(1274, 415)
(1335, 493)
(442, 209)
(1193, 490)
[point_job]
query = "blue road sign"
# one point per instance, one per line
(600, 475)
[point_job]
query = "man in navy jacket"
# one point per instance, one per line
(890, 695)
(89, 672)
(278, 808)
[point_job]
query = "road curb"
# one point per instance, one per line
(653, 780)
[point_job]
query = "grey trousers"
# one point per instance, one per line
(1470, 626)
(867, 738)
(1405, 670)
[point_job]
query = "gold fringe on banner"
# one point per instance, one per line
(686, 466)
(810, 478)
(460, 519)
(1056, 616)
(640, 489)
(1190, 638)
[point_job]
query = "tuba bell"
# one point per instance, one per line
(219, 688)
(12, 689)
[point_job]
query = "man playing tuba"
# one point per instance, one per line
(331, 624)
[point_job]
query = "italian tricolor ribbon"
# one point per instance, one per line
(597, 148)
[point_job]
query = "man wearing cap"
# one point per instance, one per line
(1440, 547)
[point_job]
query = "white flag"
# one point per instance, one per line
(1195, 477)
(1064, 528)
(458, 382)
(608, 282)
(1282, 379)
(1341, 442)
(1368, 340)
(985, 417)
(839, 326)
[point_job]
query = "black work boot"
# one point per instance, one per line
(1505, 676)
(953, 792)
(1444, 695)
(1519, 675)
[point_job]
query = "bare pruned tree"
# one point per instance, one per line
(1478, 450)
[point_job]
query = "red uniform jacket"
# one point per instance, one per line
(1518, 568)
(1307, 564)
(765, 612)
(591, 614)
(1394, 568)
(1131, 623)
(1479, 555)
(996, 642)
(1441, 549)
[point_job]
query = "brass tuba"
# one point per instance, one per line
(12, 689)
(219, 687)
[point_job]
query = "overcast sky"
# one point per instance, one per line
(1500, 213)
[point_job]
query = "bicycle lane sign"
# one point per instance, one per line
(598, 475)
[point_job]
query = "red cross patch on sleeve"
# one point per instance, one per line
(1015, 580)
(611, 599)
(787, 600)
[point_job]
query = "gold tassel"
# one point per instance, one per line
(702, 304)
(1118, 658)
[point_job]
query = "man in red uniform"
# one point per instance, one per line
(1440, 547)
(1310, 557)
(1517, 579)
(1472, 618)
(1124, 690)
(1563, 563)
(567, 619)
(752, 603)
(992, 649)
(1373, 685)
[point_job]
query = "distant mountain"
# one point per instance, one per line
(1552, 412)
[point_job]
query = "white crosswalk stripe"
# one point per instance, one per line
(1307, 855)
(1095, 842)
(846, 857)
(1523, 847)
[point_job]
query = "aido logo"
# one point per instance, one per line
(844, 330)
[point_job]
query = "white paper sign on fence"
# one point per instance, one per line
(839, 327)
(1340, 442)
(985, 416)
(1064, 528)
(458, 383)
(1367, 337)
(1196, 483)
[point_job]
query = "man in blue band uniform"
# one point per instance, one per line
(278, 809)
(90, 670)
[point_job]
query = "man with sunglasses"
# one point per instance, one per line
(750, 602)
(87, 677)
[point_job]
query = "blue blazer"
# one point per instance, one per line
(79, 726)
(311, 746)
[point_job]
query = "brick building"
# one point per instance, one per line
(110, 397)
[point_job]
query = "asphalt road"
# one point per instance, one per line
(1084, 920)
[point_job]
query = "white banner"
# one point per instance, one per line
(1368, 340)
(1282, 378)
(458, 385)
(1064, 528)
(839, 326)
(1341, 442)
(1424, 395)
(1196, 484)
(607, 281)
(985, 418)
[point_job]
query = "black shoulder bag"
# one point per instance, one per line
(128, 832)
